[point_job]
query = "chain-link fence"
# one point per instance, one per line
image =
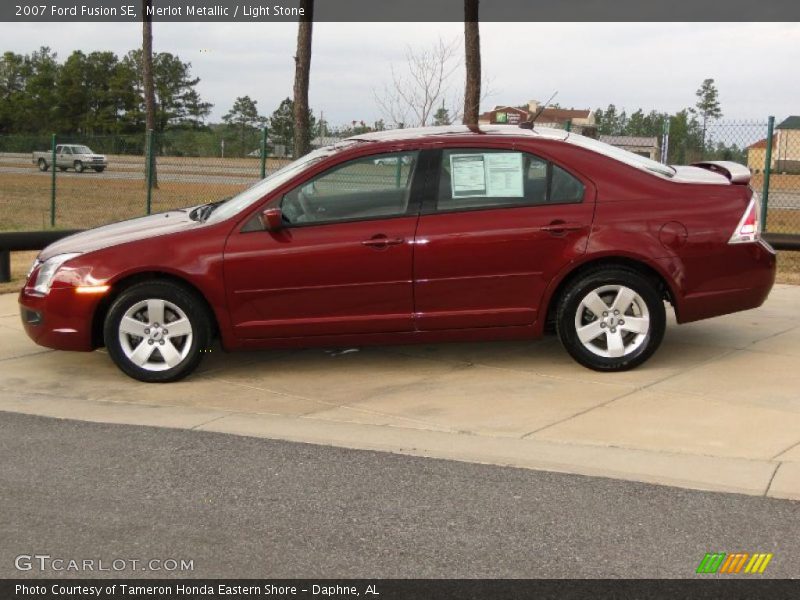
(196, 166)
(191, 167)
(772, 152)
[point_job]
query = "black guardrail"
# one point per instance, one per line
(15, 241)
(783, 241)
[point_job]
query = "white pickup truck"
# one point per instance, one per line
(71, 156)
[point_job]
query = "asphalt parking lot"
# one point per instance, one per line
(717, 408)
(245, 507)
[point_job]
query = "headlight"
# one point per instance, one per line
(48, 269)
(36, 263)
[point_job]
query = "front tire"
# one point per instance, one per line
(99, 169)
(78, 166)
(155, 332)
(611, 319)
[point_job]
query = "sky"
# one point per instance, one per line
(632, 65)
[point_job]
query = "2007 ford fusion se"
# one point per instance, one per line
(416, 235)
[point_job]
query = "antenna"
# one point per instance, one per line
(529, 124)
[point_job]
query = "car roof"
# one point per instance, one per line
(416, 133)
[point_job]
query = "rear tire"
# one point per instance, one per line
(611, 319)
(78, 166)
(156, 331)
(42, 164)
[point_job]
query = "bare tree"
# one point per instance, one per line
(147, 76)
(302, 127)
(419, 90)
(472, 53)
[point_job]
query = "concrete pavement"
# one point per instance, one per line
(717, 407)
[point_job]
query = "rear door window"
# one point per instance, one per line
(471, 179)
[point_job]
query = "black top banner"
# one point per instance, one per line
(400, 589)
(401, 10)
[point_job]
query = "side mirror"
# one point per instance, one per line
(272, 219)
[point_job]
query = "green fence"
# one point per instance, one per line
(188, 168)
(196, 166)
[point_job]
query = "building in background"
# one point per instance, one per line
(786, 155)
(643, 146)
(580, 120)
(321, 141)
(785, 149)
(757, 155)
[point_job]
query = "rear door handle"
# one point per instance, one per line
(559, 227)
(381, 241)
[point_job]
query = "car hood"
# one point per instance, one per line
(121, 233)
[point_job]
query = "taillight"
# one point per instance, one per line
(749, 228)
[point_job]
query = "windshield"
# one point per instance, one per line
(81, 150)
(629, 158)
(269, 183)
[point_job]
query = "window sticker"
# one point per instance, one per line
(468, 175)
(493, 174)
(504, 174)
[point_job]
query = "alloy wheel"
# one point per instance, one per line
(612, 321)
(155, 334)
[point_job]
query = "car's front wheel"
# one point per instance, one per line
(156, 332)
(611, 319)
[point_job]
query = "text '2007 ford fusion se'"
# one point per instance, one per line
(416, 235)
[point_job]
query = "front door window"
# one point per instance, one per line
(369, 188)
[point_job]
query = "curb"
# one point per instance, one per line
(734, 475)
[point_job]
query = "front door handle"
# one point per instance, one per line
(381, 241)
(559, 227)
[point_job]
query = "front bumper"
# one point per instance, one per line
(61, 320)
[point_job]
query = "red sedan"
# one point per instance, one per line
(424, 235)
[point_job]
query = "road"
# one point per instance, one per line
(241, 507)
(172, 173)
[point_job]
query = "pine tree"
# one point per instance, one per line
(442, 116)
(707, 106)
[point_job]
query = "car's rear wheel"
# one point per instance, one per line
(155, 332)
(611, 319)
(42, 163)
(78, 166)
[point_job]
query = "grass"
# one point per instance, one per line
(83, 202)
(788, 268)
(20, 263)
(786, 221)
(777, 181)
